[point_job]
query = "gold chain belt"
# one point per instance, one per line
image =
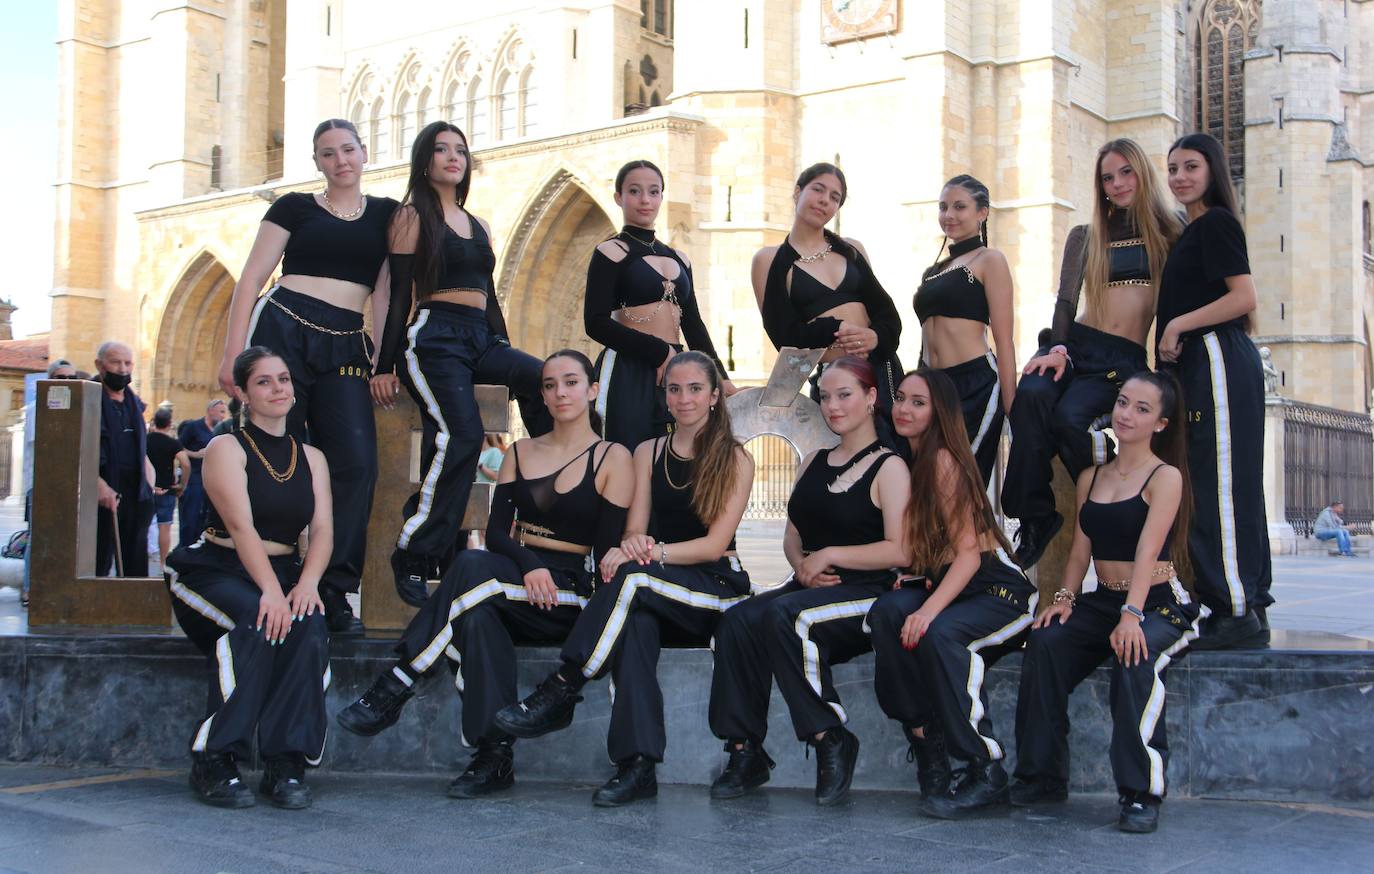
(1121, 283)
(1159, 574)
(314, 327)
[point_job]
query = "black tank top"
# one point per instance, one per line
(848, 518)
(811, 297)
(281, 510)
(568, 516)
(955, 294)
(670, 490)
(1114, 528)
(468, 262)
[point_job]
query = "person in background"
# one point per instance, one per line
(488, 469)
(59, 369)
(194, 435)
(1330, 525)
(171, 472)
(124, 489)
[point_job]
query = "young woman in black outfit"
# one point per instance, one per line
(246, 599)
(442, 257)
(1073, 380)
(1133, 517)
(931, 636)
(334, 248)
(960, 297)
(1206, 297)
(845, 534)
(811, 300)
(565, 494)
(641, 302)
(674, 574)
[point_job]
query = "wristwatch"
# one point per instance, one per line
(1134, 611)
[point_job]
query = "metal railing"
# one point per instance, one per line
(1328, 455)
(775, 466)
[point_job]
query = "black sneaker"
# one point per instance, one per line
(338, 616)
(283, 782)
(1231, 632)
(746, 769)
(1033, 538)
(1038, 790)
(1139, 815)
(836, 754)
(492, 769)
(216, 781)
(983, 785)
(548, 708)
(634, 779)
(931, 758)
(379, 708)
(412, 576)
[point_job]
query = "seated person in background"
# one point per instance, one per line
(1330, 525)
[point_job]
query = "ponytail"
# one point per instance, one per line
(714, 460)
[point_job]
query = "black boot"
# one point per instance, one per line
(283, 782)
(548, 708)
(492, 769)
(983, 785)
(1231, 632)
(634, 779)
(1139, 814)
(379, 708)
(1038, 790)
(338, 616)
(216, 780)
(1035, 535)
(932, 761)
(412, 576)
(746, 769)
(836, 754)
(1263, 637)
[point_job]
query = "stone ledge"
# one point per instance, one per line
(1281, 724)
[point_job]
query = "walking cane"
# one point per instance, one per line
(119, 550)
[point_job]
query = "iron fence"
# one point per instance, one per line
(1328, 455)
(775, 466)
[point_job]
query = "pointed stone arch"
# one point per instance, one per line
(190, 336)
(543, 274)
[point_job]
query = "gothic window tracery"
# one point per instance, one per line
(1226, 30)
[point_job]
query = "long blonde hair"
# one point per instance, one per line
(1149, 214)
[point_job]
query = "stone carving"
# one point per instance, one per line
(1271, 373)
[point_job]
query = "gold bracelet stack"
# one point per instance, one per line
(1065, 596)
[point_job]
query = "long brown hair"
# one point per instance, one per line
(1171, 445)
(714, 460)
(1149, 214)
(931, 517)
(429, 211)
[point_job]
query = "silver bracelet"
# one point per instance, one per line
(663, 553)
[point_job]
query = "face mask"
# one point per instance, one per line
(116, 381)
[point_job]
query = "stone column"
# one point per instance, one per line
(1283, 540)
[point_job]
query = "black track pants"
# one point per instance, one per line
(980, 398)
(1061, 655)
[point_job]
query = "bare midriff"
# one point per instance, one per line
(468, 297)
(853, 312)
(1116, 572)
(662, 320)
(950, 341)
(340, 293)
(1129, 311)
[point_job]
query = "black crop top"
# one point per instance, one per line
(955, 294)
(580, 516)
(281, 510)
(1210, 249)
(1128, 264)
(1114, 528)
(670, 490)
(322, 244)
(468, 261)
(613, 285)
(811, 297)
(849, 518)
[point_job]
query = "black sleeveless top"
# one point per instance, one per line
(670, 490)
(848, 518)
(811, 297)
(1115, 527)
(468, 262)
(281, 510)
(955, 294)
(568, 516)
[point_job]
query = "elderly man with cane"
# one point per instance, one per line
(124, 490)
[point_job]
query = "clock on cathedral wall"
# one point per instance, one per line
(844, 20)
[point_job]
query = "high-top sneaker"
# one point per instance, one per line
(548, 708)
(634, 779)
(492, 769)
(379, 708)
(836, 754)
(746, 769)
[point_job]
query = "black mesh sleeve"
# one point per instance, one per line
(397, 314)
(499, 522)
(1070, 284)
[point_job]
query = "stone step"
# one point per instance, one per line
(1311, 704)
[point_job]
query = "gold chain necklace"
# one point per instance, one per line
(362, 202)
(668, 476)
(1118, 472)
(272, 471)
